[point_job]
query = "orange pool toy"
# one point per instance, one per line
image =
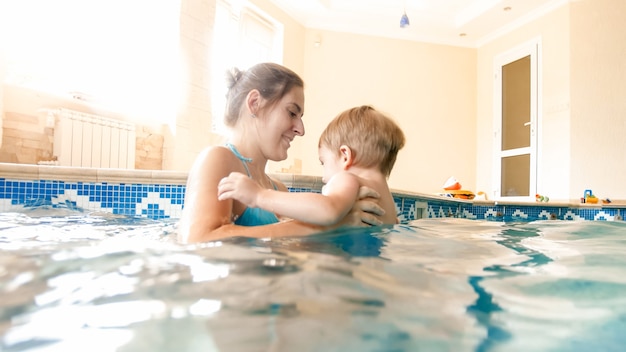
(452, 184)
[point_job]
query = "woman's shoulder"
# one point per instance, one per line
(217, 150)
(216, 157)
(216, 153)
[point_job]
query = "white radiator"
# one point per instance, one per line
(93, 141)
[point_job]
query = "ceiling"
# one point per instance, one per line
(467, 23)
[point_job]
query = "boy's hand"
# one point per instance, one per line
(239, 187)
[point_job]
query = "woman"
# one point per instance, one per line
(264, 111)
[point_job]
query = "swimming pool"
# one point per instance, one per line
(73, 280)
(88, 260)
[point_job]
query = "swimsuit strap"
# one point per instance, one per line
(243, 159)
(245, 162)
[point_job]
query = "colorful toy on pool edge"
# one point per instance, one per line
(452, 187)
(540, 198)
(589, 197)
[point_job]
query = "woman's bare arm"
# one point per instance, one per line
(203, 213)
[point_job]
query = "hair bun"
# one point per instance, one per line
(233, 75)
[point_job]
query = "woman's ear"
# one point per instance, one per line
(346, 156)
(253, 101)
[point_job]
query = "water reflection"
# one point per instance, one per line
(433, 284)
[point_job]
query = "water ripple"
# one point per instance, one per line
(83, 281)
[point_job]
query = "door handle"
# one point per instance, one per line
(527, 123)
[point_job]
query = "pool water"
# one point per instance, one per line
(73, 281)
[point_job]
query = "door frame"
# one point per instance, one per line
(530, 48)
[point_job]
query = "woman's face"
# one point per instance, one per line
(281, 124)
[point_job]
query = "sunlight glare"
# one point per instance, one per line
(115, 52)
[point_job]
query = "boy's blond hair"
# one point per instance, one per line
(374, 138)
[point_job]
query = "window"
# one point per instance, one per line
(243, 36)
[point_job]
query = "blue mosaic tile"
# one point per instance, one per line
(408, 209)
(166, 201)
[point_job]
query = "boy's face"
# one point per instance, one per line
(331, 161)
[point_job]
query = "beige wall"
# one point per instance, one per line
(598, 98)
(428, 89)
(27, 139)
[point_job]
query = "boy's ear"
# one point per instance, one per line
(253, 100)
(346, 156)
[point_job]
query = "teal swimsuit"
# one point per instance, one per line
(252, 216)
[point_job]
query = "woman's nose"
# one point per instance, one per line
(298, 127)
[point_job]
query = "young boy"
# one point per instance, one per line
(358, 148)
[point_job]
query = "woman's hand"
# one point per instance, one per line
(366, 210)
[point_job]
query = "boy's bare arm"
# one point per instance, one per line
(329, 208)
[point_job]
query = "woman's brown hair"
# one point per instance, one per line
(272, 81)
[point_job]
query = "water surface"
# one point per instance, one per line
(99, 282)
